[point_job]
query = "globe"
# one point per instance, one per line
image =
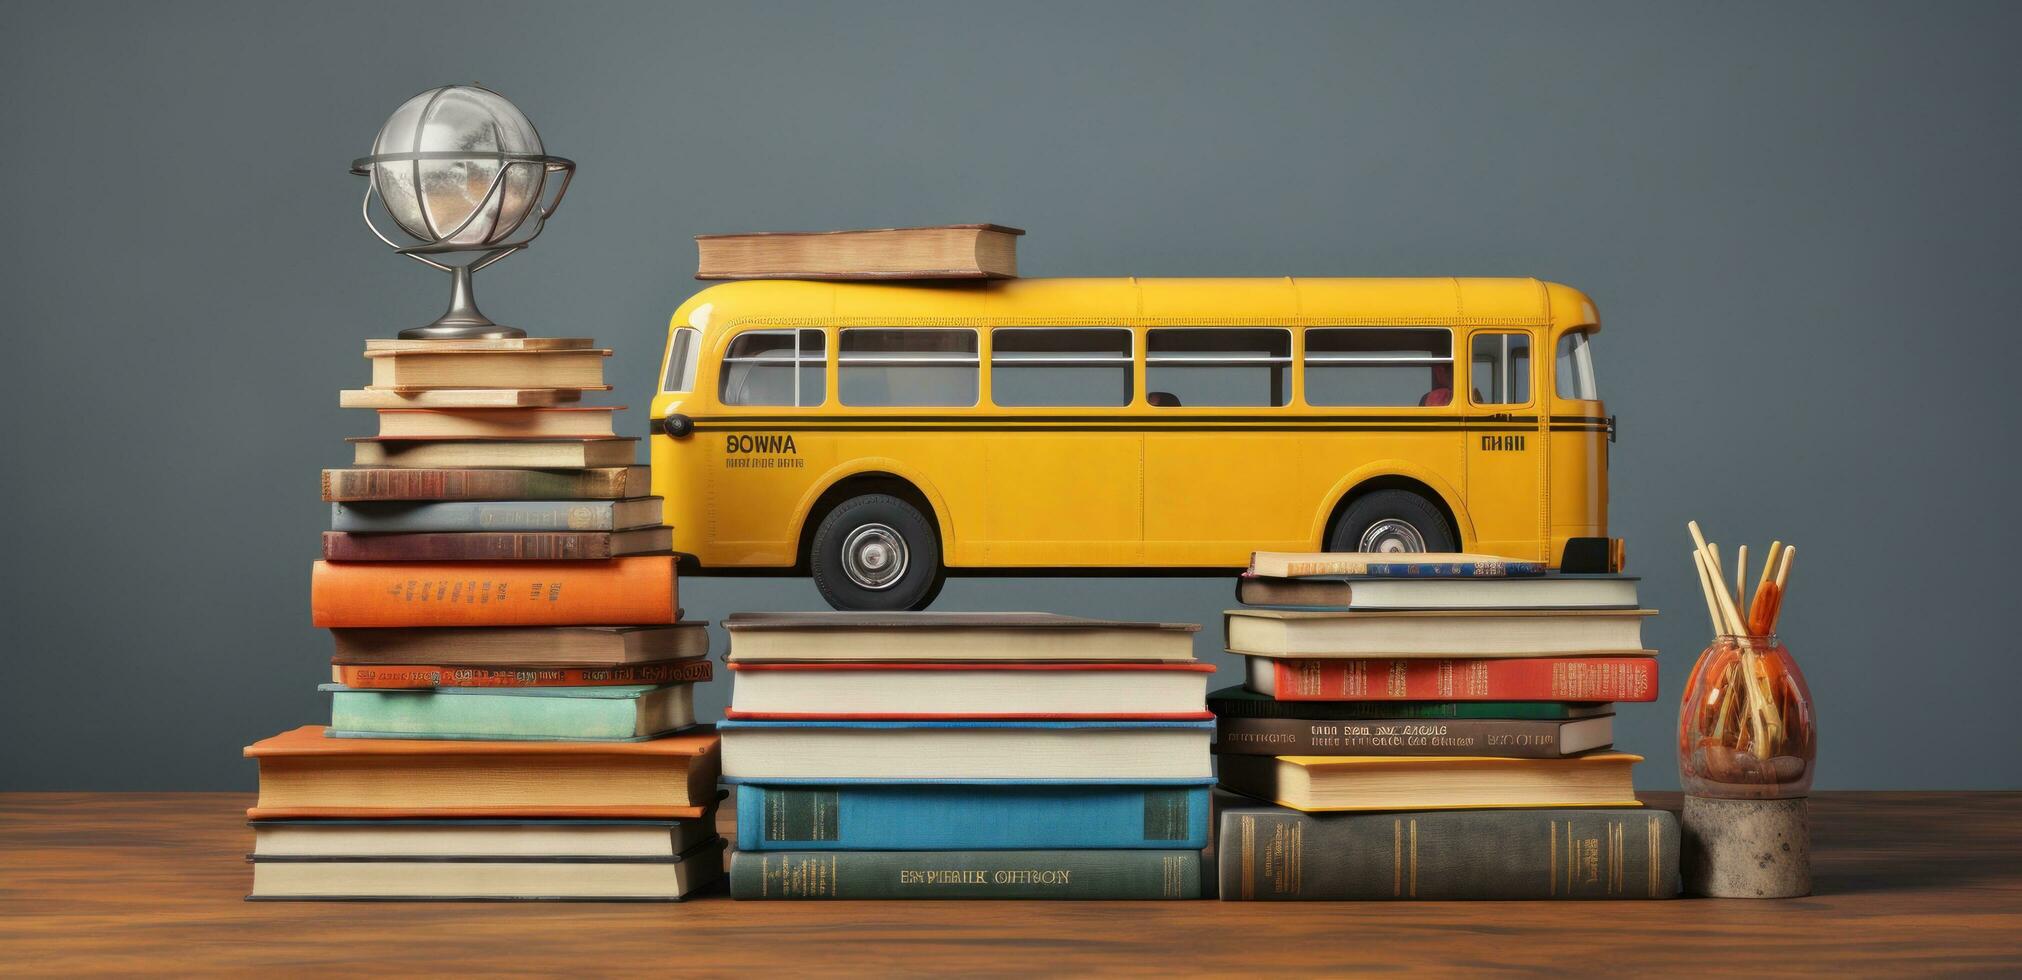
(458, 167)
(461, 169)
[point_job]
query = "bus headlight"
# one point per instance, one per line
(677, 424)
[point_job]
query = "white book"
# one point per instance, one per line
(915, 690)
(1452, 633)
(657, 879)
(1117, 751)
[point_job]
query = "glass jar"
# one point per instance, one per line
(1746, 729)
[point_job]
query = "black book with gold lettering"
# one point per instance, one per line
(1272, 854)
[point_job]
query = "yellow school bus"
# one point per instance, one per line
(878, 436)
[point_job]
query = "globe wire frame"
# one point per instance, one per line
(463, 320)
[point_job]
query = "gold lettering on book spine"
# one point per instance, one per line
(1656, 851)
(1249, 857)
(1553, 870)
(1414, 859)
(1396, 858)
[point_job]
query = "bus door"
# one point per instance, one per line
(1505, 445)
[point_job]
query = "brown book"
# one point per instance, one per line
(924, 636)
(481, 343)
(425, 483)
(521, 453)
(1532, 738)
(573, 646)
(496, 545)
(456, 397)
(424, 369)
(937, 252)
(569, 422)
(304, 774)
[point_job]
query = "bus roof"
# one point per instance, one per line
(1443, 301)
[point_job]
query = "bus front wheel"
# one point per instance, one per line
(1392, 521)
(876, 553)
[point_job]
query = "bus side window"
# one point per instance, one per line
(1379, 366)
(679, 374)
(1217, 366)
(1501, 368)
(1574, 367)
(775, 367)
(885, 367)
(1060, 366)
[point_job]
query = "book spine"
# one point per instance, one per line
(1304, 568)
(970, 818)
(1502, 855)
(1519, 679)
(488, 515)
(1116, 875)
(468, 546)
(422, 713)
(1288, 736)
(620, 592)
(411, 676)
(385, 483)
(1371, 710)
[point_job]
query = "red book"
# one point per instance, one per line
(1417, 679)
(694, 670)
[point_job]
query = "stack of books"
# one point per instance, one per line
(966, 755)
(512, 712)
(1435, 727)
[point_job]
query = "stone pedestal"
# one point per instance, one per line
(1745, 848)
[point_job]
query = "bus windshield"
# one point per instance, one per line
(1574, 367)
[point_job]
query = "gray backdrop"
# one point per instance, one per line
(1799, 222)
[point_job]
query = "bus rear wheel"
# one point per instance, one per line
(876, 553)
(1392, 521)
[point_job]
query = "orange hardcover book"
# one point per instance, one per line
(305, 775)
(636, 591)
(695, 670)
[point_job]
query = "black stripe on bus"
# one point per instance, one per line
(995, 427)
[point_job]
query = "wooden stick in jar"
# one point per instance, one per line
(1741, 577)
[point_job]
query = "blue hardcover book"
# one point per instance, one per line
(404, 517)
(1002, 817)
(966, 751)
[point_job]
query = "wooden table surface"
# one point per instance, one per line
(151, 883)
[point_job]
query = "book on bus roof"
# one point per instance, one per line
(977, 251)
(966, 751)
(1552, 590)
(1300, 564)
(925, 636)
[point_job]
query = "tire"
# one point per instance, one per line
(1395, 516)
(897, 563)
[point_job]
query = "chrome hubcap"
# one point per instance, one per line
(1391, 536)
(874, 556)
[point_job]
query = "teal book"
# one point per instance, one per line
(1241, 702)
(408, 517)
(590, 714)
(1134, 875)
(971, 817)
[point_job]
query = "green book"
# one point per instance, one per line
(1241, 702)
(1059, 874)
(592, 714)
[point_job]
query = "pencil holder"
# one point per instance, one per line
(1747, 740)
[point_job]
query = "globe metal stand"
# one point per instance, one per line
(463, 320)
